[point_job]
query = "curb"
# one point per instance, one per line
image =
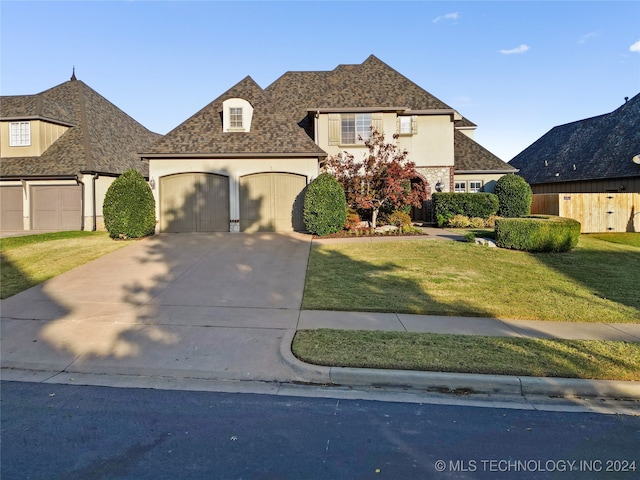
(460, 383)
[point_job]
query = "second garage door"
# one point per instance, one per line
(56, 207)
(194, 202)
(11, 208)
(271, 202)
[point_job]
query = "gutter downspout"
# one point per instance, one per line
(93, 188)
(81, 183)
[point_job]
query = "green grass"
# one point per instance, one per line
(596, 282)
(590, 359)
(631, 239)
(32, 259)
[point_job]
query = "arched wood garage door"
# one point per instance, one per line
(271, 202)
(194, 202)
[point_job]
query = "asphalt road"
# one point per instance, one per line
(52, 431)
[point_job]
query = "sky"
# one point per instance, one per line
(514, 68)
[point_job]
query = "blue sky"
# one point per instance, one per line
(516, 68)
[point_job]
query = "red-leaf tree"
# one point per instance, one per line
(382, 178)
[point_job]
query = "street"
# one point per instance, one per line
(52, 431)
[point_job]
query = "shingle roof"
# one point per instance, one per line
(271, 131)
(471, 156)
(372, 83)
(101, 138)
(594, 148)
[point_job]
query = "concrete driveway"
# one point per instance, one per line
(211, 306)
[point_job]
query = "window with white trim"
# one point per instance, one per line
(355, 128)
(235, 117)
(407, 125)
(460, 187)
(475, 186)
(19, 134)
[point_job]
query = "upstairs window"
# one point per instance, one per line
(235, 117)
(19, 134)
(355, 128)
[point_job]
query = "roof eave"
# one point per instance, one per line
(150, 156)
(36, 117)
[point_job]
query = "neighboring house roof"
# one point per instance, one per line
(471, 157)
(271, 131)
(101, 138)
(595, 148)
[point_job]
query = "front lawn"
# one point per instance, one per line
(604, 360)
(596, 282)
(29, 260)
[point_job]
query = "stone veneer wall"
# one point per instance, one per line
(434, 174)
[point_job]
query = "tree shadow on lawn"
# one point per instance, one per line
(610, 273)
(336, 281)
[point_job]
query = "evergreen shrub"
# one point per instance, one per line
(325, 206)
(514, 196)
(447, 205)
(537, 233)
(129, 209)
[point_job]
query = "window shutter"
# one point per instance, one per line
(414, 124)
(398, 127)
(334, 129)
(376, 122)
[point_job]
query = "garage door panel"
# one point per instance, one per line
(11, 205)
(194, 202)
(271, 202)
(56, 207)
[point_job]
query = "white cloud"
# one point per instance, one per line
(635, 47)
(586, 37)
(449, 16)
(521, 49)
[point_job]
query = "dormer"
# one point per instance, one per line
(236, 115)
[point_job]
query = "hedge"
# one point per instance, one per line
(129, 208)
(447, 205)
(537, 233)
(325, 206)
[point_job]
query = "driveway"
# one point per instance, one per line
(199, 305)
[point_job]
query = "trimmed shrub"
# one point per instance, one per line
(400, 218)
(447, 205)
(514, 196)
(537, 233)
(325, 206)
(129, 208)
(458, 221)
(353, 219)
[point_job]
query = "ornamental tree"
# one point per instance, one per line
(381, 179)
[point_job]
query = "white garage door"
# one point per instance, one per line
(56, 207)
(11, 208)
(271, 202)
(194, 202)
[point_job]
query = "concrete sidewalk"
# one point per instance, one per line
(155, 310)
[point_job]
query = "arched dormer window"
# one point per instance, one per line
(236, 115)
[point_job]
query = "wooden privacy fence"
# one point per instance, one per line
(596, 212)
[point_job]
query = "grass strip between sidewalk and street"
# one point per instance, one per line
(28, 260)
(586, 359)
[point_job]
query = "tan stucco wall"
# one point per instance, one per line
(431, 146)
(101, 185)
(43, 134)
(232, 168)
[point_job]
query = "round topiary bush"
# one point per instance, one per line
(514, 196)
(325, 206)
(129, 208)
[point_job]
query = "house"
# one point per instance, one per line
(244, 160)
(59, 152)
(594, 155)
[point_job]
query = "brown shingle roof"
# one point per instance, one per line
(101, 138)
(595, 148)
(470, 156)
(271, 131)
